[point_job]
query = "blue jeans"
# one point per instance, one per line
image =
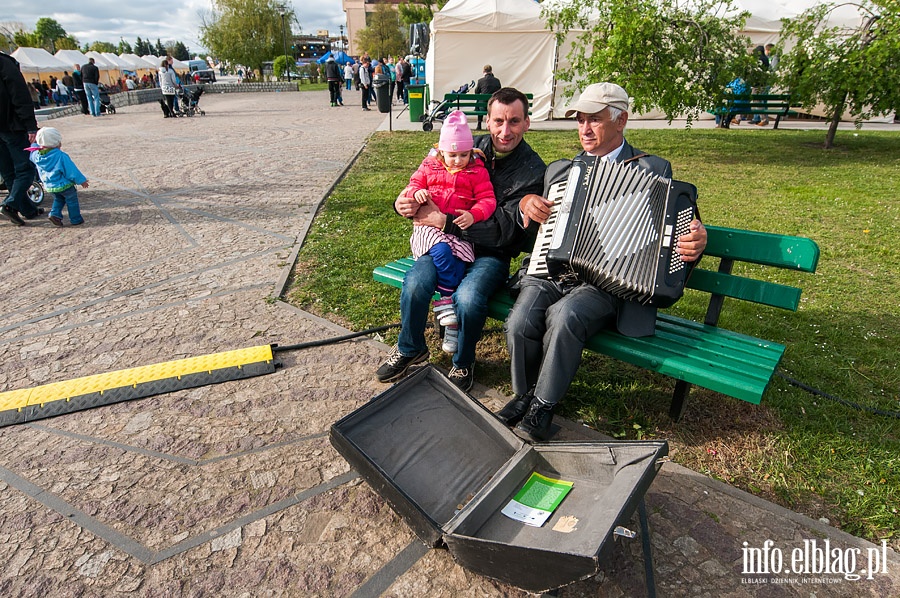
(92, 91)
(17, 171)
(68, 198)
(483, 277)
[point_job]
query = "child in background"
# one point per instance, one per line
(58, 174)
(455, 179)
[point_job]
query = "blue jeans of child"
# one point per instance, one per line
(483, 277)
(68, 198)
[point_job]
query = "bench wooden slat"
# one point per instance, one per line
(475, 104)
(767, 249)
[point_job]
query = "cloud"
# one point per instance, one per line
(166, 20)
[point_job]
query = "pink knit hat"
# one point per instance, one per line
(455, 134)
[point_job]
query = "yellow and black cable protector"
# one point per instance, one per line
(58, 398)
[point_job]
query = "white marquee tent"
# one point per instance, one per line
(71, 57)
(507, 34)
(38, 61)
(512, 37)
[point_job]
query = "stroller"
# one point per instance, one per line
(440, 109)
(35, 191)
(105, 103)
(189, 101)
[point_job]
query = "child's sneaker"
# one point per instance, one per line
(444, 311)
(451, 339)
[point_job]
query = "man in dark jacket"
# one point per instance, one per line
(487, 84)
(18, 128)
(553, 318)
(90, 75)
(516, 171)
(334, 78)
(78, 85)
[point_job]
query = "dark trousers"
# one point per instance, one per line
(334, 90)
(82, 98)
(546, 330)
(364, 92)
(17, 171)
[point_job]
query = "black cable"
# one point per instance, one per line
(846, 403)
(335, 339)
(788, 379)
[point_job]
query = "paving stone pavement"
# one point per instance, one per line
(234, 489)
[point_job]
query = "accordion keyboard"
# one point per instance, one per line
(537, 265)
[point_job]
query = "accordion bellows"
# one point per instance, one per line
(615, 225)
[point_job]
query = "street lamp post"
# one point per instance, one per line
(284, 40)
(343, 49)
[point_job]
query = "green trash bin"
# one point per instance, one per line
(416, 96)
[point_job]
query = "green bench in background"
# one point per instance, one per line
(776, 105)
(700, 353)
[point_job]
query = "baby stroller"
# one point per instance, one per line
(105, 102)
(440, 108)
(190, 100)
(35, 191)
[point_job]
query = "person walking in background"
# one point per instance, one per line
(348, 75)
(18, 127)
(169, 86)
(58, 174)
(402, 78)
(333, 76)
(90, 76)
(487, 84)
(365, 83)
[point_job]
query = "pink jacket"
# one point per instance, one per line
(469, 189)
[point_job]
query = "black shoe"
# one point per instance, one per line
(38, 212)
(12, 215)
(463, 378)
(515, 410)
(536, 422)
(396, 365)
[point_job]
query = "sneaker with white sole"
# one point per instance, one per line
(396, 364)
(444, 311)
(462, 378)
(451, 340)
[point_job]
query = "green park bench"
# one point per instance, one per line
(777, 105)
(700, 353)
(471, 104)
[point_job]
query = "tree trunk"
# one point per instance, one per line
(832, 129)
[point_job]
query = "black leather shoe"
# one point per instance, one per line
(12, 215)
(515, 410)
(37, 212)
(536, 422)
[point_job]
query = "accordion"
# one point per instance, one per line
(615, 225)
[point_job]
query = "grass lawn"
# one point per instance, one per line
(801, 450)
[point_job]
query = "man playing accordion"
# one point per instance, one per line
(552, 319)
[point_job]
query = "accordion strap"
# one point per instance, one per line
(633, 158)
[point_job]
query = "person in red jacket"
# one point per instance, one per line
(455, 179)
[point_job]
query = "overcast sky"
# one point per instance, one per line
(179, 20)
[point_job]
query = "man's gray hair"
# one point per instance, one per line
(614, 113)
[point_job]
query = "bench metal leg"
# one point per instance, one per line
(648, 554)
(679, 399)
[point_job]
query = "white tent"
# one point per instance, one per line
(39, 61)
(764, 25)
(100, 61)
(120, 63)
(71, 57)
(137, 62)
(507, 34)
(154, 60)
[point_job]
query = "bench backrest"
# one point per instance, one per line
(766, 249)
(477, 101)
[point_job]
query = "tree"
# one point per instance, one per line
(418, 12)
(142, 48)
(383, 36)
(123, 47)
(178, 50)
(48, 31)
(160, 49)
(245, 32)
(673, 56)
(280, 65)
(855, 70)
(101, 47)
(68, 42)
